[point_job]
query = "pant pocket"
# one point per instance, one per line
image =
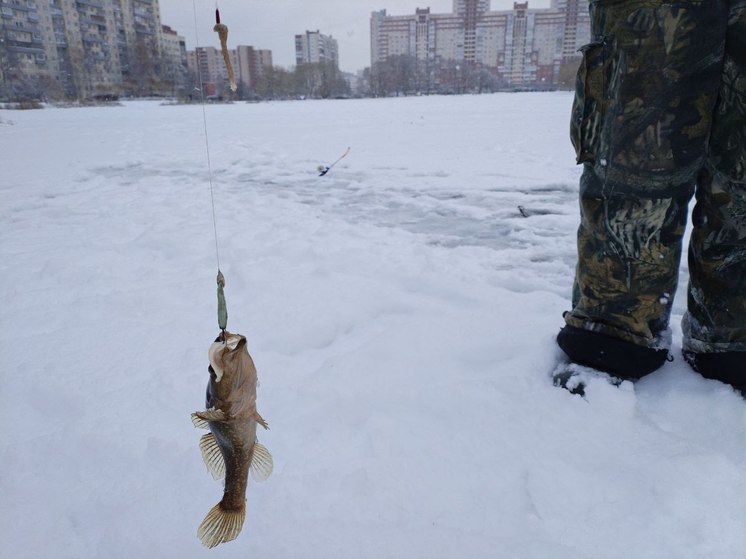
(589, 105)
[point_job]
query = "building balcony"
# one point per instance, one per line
(26, 48)
(19, 8)
(24, 27)
(94, 23)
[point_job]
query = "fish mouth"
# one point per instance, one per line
(217, 349)
(215, 357)
(232, 341)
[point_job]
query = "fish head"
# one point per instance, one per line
(220, 349)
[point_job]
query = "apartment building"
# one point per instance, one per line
(206, 64)
(173, 52)
(248, 65)
(314, 47)
(524, 47)
(82, 47)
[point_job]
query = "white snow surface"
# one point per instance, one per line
(401, 312)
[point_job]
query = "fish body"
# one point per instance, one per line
(230, 449)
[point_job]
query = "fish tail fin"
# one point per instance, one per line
(220, 525)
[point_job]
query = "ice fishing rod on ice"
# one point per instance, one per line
(324, 169)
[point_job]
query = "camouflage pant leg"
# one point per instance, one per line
(716, 320)
(641, 121)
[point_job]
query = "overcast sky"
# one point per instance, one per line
(273, 24)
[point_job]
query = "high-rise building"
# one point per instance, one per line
(471, 11)
(248, 65)
(523, 47)
(577, 25)
(81, 47)
(173, 51)
(206, 63)
(463, 6)
(314, 48)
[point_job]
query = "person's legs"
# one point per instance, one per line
(641, 120)
(715, 325)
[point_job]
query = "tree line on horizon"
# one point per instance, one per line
(149, 75)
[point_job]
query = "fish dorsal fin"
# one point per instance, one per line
(212, 456)
(261, 463)
(199, 423)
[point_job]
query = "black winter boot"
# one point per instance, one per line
(612, 355)
(728, 367)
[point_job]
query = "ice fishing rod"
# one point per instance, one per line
(222, 306)
(323, 170)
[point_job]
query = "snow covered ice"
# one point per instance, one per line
(401, 312)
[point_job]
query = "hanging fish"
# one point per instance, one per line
(231, 450)
(222, 31)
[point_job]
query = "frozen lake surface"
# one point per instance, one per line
(401, 312)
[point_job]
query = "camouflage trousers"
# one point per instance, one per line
(659, 116)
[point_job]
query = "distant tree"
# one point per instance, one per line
(51, 88)
(15, 83)
(176, 76)
(379, 79)
(192, 90)
(459, 76)
(145, 69)
(333, 83)
(399, 74)
(364, 84)
(319, 81)
(307, 80)
(566, 75)
(10, 72)
(426, 76)
(403, 74)
(274, 83)
(76, 73)
(484, 79)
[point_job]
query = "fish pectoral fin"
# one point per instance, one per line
(261, 463)
(212, 456)
(211, 415)
(199, 423)
(260, 420)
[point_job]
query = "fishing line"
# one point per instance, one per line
(207, 140)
